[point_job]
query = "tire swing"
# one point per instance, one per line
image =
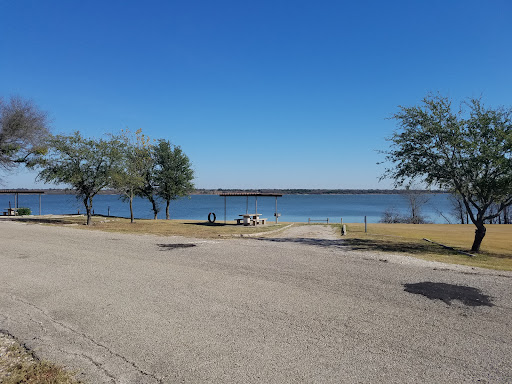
(210, 217)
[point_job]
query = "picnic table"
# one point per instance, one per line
(9, 212)
(250, 219)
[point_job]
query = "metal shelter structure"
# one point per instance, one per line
(17, 192)
(249, 194)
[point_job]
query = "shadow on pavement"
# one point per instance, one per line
(469, 296)
(175, 246)
(361, 244)
(302, 240)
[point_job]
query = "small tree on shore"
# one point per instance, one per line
(173, 173)
(470, 154)
(129, 177)
(149, 190)
(87, 165)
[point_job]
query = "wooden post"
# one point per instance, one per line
(365, 225)
(39, 204)
(225, 210)
(276, 209)
(309, 220)
(327, 220)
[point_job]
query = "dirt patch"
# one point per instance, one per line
(314, 231)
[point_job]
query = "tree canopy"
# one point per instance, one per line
(23, 131)
(173, 173)
(468, 151)
(135, 162)
(85, 164)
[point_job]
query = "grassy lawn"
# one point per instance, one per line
(188, 228)
(496, 249)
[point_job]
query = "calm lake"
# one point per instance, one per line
(293, 208)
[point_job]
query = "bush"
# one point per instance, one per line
(24, 211)
(390, 216)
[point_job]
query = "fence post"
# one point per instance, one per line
(365, 225)
(327, 220)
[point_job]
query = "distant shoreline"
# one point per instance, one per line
(301, 191)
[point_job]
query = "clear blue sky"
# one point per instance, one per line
(259, 94)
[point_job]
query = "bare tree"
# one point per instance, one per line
(24, 129)
(416, 199)
(459, 209)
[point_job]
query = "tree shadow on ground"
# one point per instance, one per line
(208, 224)
(43, 220)
(302, 240)
(363, 244)
(469, 296)
(393, 246)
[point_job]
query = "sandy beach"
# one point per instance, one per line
(297, 306)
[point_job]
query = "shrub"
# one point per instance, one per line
(24, 211)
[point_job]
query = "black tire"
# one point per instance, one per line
(210, 217)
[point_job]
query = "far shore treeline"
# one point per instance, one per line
(291, 191)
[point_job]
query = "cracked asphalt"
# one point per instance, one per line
(298, 308)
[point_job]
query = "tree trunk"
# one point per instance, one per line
(88, 209)
(167, 215)
(479, 236)
(131, 209)
(155, 209)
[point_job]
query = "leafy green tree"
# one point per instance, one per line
(465, 151)
(129, 177)
(149, 189)
(23, 131)
(87, 165)
(173, 173)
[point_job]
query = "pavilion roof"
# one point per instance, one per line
(20, 191)
(250, 194)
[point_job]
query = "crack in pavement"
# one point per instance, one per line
(87, 337)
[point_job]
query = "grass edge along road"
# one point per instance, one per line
(496, 251)
(18, 365)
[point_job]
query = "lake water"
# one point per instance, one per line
(293, 208)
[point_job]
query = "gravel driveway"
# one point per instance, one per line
(299, 307)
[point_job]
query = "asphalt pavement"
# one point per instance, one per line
(294, 308)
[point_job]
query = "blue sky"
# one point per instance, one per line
(259, 94)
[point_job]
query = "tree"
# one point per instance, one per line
(466, 152)
(416, 199)
(173, 173)
(149, 189)
(23, 131)
(458, 208)
(85, 164)
(130, 176)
